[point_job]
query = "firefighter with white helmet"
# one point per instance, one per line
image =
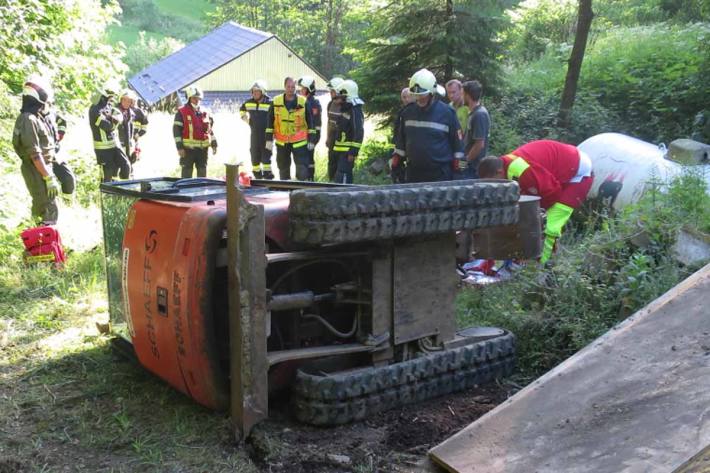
(104, 119)
(349, 131)
(255, 111)
(333, 110)
(308, 90)
(192, 130)
(34, 143)
(429, 137)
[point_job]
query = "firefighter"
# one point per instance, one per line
(308, 90)
(34, 143)
(333, 110)
(397, 165)
(58, 128)
(349, 131)
(429, 137)
(104, 119)
(560, 174)
(140, 128)
(289, 124)
(126, 127)
(192, 130)
(255, 112)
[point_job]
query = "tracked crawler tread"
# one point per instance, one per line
(347, 397)
(345, 215)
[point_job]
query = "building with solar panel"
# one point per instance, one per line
(224, 63)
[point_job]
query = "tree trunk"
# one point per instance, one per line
(574, 66)
(449, 65)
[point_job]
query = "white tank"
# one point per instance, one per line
(625, 166)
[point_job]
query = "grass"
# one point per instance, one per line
(129, 34)
(66, 397)
(192, 9)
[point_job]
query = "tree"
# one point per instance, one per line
(62, 39)
(584, 23)
(453, 40)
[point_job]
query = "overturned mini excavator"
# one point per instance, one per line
(343, 295)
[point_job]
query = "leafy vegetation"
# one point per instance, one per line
(604, 273)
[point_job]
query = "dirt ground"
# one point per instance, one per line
(391, 442)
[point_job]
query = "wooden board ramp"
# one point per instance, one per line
(637, 399)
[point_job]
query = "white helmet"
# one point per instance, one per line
(194, 91)
(334, 83)
(349, 90)
(38, 87)
(307, 82)
(423, 82)
(260, 84)
(110, 88)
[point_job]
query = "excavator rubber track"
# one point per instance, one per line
(339, 398)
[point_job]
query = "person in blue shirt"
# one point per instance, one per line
(429, 137)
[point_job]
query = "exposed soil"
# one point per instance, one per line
(394, 441)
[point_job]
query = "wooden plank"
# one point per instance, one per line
(636, 399)
(247, 309)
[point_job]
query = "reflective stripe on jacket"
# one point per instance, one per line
(103, 129)
(192, 128)
(289, 126)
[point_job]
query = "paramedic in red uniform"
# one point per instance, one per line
(560, 174)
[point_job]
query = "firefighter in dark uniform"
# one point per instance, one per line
(290, 125)
(126, 128)
(192, 130)
(34, 143)
(58, 127)
(429, 136)
(104, 119)
(308, 90)
(333, 109)
(255, 111)
(349, 131)
(140, 123)
(140, 128)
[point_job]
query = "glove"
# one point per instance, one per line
(181, 152)
(269, 146)
(311, 146)
(214, 149)
(245, 118)
(52, 186)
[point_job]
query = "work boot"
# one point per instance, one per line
(258, 175)
(268, 175)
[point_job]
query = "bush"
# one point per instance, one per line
(147, 51)
(599, 278)
(653, 77)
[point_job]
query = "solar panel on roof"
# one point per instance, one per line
(195, 60)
